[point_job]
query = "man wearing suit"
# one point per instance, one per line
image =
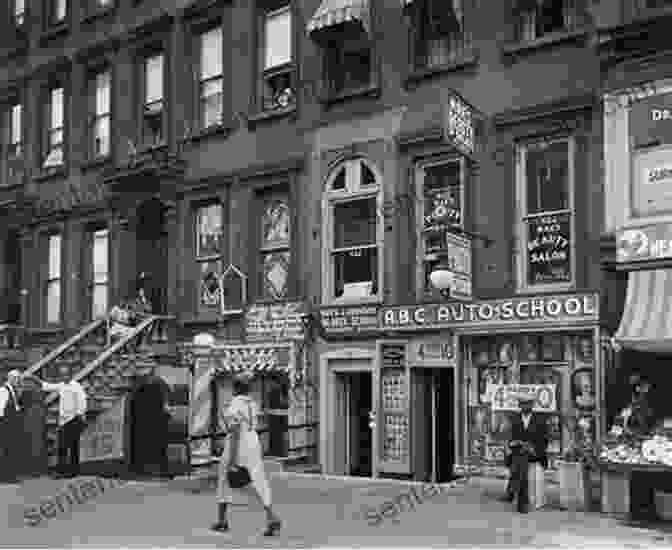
(529, 439)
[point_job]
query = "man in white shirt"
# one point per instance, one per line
(71, 422)
(10, 427)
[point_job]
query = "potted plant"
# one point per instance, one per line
(574, 476)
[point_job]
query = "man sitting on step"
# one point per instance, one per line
(71, 422)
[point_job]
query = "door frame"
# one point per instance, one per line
(332, 364)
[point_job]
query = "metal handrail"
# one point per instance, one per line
(60, 350)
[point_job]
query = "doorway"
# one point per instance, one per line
(434, 424)
(149, 428)
(152, 253)
(353, 438)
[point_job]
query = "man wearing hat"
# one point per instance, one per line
(10, 426)
(529, 439)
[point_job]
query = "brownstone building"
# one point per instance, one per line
(277, 170)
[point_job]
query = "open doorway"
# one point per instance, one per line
(149, 428)
(152, 253)
(353, 438)
(434, 424)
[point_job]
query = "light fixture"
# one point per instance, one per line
(441, 277)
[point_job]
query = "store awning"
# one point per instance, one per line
(646, 324)
(255, 359)
(335, 12)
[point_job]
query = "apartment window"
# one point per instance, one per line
(538, 18)
(54, 151)
(153, 101)
(353, 233)
(348, 61)
(441, 188)
(275, 247)
(13, 155)
(101, 273)
(19, 12)
(438, 36)
(101, 113)
(209, 248)
(57, 11)
(211, 82)
(277, 79)
(545, 203)
(53, 290)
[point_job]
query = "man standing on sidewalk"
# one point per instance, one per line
(71, 422)
(10, 428)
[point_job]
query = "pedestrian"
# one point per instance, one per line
(71, 423)
(243, 448)
(11, 428)
(529, 439)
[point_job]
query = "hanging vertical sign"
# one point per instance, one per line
(459, 125)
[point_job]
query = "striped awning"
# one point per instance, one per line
(335, 12)
(254, 359)
(646, 324)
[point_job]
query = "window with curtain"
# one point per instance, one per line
(354, 232)
(54, 154)
(101, 273)
(277, 77)
(545, 185)
(13, 150)
(211, 79)
(53, 290)
(275, 247)
(153, 106)
(101, 116)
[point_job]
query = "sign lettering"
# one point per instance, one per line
(273, 321)
(348, 320)
(644, 243)
(505, 396)
(548, 249)
(459, 124)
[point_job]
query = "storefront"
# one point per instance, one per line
(277, 353)
(436, 380)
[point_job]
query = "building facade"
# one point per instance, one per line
(276, 168)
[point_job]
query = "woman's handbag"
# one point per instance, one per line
(238, 477)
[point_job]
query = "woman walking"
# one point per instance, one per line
(243, 448)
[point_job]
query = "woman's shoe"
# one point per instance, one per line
(220, 527)
(272, 528)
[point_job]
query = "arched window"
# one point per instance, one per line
(353, 233)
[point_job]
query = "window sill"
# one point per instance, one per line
(93, 164)
(54, 32)
(267, 116)
(51, 330)
(330, 98)
(335, 302)
(45, 174)
(11, 185)
(205, 133)
(518, 49)
(98, 13)
(467, 61)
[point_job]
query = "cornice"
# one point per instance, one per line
(147, 28)
(200, 8)
(557, 108)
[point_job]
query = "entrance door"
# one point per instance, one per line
(433, 424)
(10, 278)
(152, 252)
(353, 439)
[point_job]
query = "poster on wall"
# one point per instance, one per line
(549, 249)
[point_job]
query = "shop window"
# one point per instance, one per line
(57, 11)
(153, 104)
(546, 215)
(440, 184)
(19, 12)
(209, 249)
(53, 280)
(101, 273)
(278, 71)
(438, 36)
(211, 78)
(354, 233)
(275, 255)
(100, 102)
(537, 19)
(54, 129)
(13, 146)
(348, 61)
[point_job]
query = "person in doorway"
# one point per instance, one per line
(243, 448)
(71, 423)
(142, 305)
(10, 427)
(529, 439)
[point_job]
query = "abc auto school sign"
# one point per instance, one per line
(558, 309)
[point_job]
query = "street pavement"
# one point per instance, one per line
(317, 511)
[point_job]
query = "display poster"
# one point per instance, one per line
(505, 397)
(103, 439)
(652, 182)
(549, 258)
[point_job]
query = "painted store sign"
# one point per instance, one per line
(574, 308)
(653, 242)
